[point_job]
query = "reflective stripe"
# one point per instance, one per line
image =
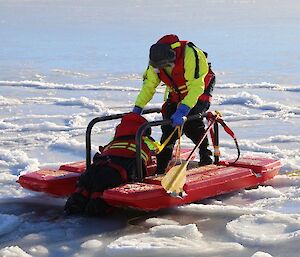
(175, 45)
(184, 91)
(117, 146)
(183, 86)
(131, 147)
(121, 143)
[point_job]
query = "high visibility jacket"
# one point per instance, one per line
(123, 144)
(126, 148)
(186, 80)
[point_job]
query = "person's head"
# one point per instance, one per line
(130, 124)
(162, 53)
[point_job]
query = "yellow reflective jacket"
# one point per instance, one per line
(195, 86)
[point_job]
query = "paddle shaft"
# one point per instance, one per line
(177, 174)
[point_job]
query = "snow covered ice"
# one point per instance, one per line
(62, 63)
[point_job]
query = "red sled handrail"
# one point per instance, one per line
(213, 118)
(100, 119)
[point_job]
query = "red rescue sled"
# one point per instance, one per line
(147, 193)
(62, 182)
(202, 182)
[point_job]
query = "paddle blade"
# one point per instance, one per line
(294, 173)
(174, 180)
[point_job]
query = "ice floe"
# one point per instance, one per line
(170, 240)
(265, 229)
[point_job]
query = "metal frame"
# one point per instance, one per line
(100, 119)
(138, 137)
(144, 127)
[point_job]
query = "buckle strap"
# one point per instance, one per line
(122, 171)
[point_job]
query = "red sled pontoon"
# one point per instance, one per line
(148, 193)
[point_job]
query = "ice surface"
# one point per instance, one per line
(63, 63)
(13, 251)
(8, 223)
(265, 229)
(170, 240)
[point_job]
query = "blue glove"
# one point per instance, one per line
(177, 117)
(137, 110)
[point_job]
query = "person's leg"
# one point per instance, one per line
(77, 201)
(195, 131)
(165, 155)
(103, 178)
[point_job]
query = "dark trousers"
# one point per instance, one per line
(100, 176)
(192, 129)
(105, 172)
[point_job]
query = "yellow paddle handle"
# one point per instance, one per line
(162, 146)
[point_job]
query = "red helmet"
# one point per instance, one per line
(129, 125)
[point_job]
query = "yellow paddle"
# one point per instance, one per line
(162, 146)
(294, 173)
(175, 178)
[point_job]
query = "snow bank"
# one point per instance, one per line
(93, 243)
(8, 223)
(4, 125)
(284, 181)
(262, 85)
(289, 158)
(67, 86)
(16, 161)
(84, 102)
(160, 221)
(263, 192)
(8, 101)
(261, 254)
(39, 250)
(70, 73)
(254, 101)
(7, 178)
(281, 139)
(219, 210)
(169, 240)
(265, 230)
(68, 145)
(45, 126)
(104, 85)
(13, 251)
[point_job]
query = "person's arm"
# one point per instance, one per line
(196, 68)
(150, 82)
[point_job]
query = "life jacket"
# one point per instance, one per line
(123, 144)
(177, 80)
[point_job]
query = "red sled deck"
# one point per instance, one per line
(148, 193)
(62, 182)
(202, 182)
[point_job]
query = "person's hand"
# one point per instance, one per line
(178, 117)
(137, 110)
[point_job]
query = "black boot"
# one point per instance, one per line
(76, 203)
(96, 207)
(205, 157)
